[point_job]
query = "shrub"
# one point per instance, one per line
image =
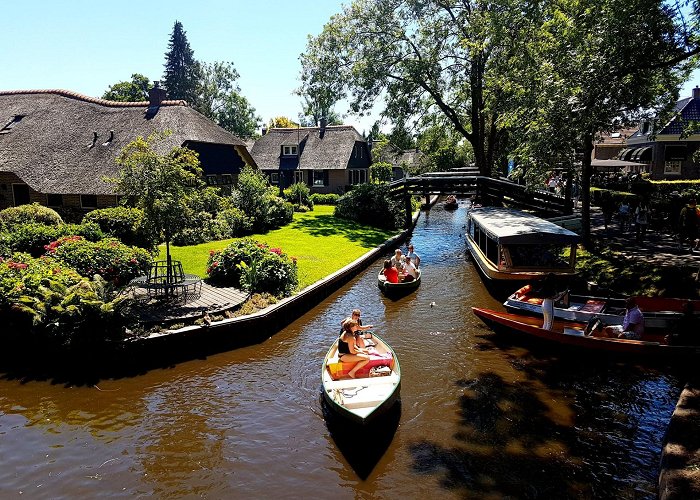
(371, 204)
(115, 262)
(223, 266)
(25, 214)
(238, 222)
(33, 237)
(201, 227)
(252, 196)
(381, 172)
(324, 199)
(124, 223)
(299, 194)
(279, 213)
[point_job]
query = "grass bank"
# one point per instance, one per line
(321, 243)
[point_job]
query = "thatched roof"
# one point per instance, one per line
(52, 149)
(331, 150)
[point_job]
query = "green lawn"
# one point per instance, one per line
(321, 243)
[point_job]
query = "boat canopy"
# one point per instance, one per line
(511, 227)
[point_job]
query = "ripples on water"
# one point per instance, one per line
(479, 416)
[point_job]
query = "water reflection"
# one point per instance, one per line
(479, 416)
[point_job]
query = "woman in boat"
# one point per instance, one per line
(548, 291)
(632, 327)
(356, 316)
(390, 272)
(414, 256)
(398, 259)
(349, 350)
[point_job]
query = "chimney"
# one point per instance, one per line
(264, 131)
(323, 123)
(696, 92)
(156, 95)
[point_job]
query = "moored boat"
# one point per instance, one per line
(510, 245)
(372, 392)
(400, 288)
(571, 333)
(451, 203)
(659, 313)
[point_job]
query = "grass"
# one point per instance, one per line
(321, 243)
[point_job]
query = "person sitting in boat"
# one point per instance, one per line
(349, 349)
(390, 272)
(409, 270)
(356, 316)
(398, 259)
(632, 327)
(414, 256)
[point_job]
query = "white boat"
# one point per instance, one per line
(508, 244)
(366, 396)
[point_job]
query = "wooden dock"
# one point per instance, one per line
(213, 300)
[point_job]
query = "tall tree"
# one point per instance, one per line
(423, 57)
(182, 72)
(219, 98)
(134, 91)
(312, 112)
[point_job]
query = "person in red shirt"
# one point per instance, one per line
(390, 272)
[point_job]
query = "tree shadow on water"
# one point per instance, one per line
(362, 453)
(330, 225)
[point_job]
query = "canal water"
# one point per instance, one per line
(479, 416)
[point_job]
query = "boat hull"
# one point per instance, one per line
(377, 395)
(404, 287)
(569, 333)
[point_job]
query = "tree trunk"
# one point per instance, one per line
(586, 171)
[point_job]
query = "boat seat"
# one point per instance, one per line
(338, 369)
(593, 306)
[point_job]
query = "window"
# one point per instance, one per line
(274, 178)
(299, 177)
(88, 201)
(319, 178)
(54, 200)
(212, 180)
(226, 179)
(357, 176)
(289, 150)
(672, 167)
(14, 121)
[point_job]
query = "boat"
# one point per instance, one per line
(371, 393)
(400, 288)
(659, 313)
(571, 333)
(451, 203)
(507, 244)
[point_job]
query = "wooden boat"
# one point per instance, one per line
(510, 245)
(571, 333)
(364, 397)
(659, 313)
(400, 288)
(451, 203)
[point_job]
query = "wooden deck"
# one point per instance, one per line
(213, 300)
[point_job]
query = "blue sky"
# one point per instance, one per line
(87, 46)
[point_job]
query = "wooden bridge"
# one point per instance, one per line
(489, 191)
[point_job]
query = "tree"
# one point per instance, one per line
(219, 99)
(312, 112)
(134, 91)
(159, 184)
(381, 172)
(424, 57)
(281, 122)
(182, 71)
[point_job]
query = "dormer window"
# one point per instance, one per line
(290, 150)
(10, 125)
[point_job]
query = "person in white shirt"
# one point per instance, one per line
(397, 260)
(414, 257)
(410, 270)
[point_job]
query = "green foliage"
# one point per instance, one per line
(597, 195)
(381, 172)
(33, 238)
(182, 72)
(371, 204)
(281, 122)
(134, 91)
(223, 266)
(115, 262)
(324, 199)
(48, 305)
(124, 223)
(24, 214)
(299, 194)
(279, 212)
(237, 221)
(256, 198)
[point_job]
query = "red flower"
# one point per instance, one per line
(278, 251)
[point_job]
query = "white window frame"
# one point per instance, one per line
(298, 176)
(672, 167)
(274, 178)
(319, 182)
(357, 176)
(212, 180)
(290, 150)
(226, 179)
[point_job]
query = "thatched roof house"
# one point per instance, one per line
(328, 158)
(57, 146)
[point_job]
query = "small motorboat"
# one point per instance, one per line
(571, 333)
(451, 203)
(659, 313)
(400, 288)
(374, 389)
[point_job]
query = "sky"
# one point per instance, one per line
(87, 46)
